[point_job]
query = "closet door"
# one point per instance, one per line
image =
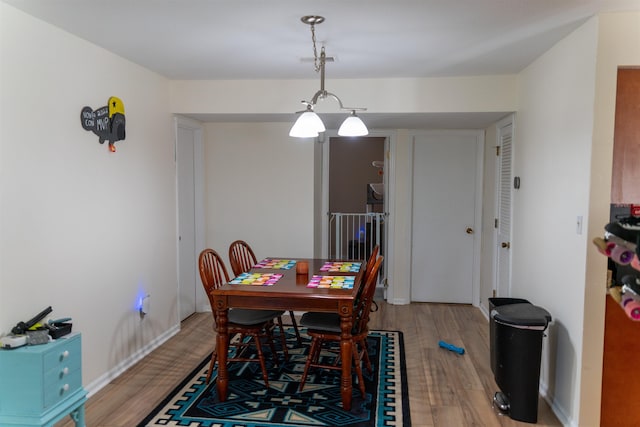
(504, 211)
(445, 226)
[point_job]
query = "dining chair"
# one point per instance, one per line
(251, 325)
(370, 261)
(242, 259)
(325, 327)
(368, 268)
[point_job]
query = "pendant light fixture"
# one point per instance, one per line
(309, 124)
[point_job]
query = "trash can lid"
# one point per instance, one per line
(522, 315)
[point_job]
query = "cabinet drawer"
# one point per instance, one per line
(68, 353)
(61, 387)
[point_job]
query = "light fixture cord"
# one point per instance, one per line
(315, 49)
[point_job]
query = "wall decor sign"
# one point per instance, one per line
(107, 122)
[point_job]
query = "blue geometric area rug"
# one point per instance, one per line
(250, 404)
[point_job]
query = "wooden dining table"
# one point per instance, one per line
(290, 292)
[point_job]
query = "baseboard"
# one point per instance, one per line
(100, 382)
(557, 410)
(399, 301)
(484, 311)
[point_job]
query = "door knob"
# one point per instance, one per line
(506, 245)
(469, 230)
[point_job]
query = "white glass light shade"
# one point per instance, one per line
(308, 125)
(353, 126)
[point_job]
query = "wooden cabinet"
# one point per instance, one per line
(620, 378)
(625, 183)
(41, 384)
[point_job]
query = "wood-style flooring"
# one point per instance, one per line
(445, 389)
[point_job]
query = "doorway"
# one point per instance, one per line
(446, 211)
(189, 185)
(354, 180)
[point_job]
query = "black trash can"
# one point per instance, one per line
(517, 329)
(493, 303)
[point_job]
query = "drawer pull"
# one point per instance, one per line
(65, 371)
(65, 354)
(64, 389)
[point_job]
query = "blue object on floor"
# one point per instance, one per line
(451, 347)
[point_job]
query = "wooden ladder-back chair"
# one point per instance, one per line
(242, 258)
(256, 324)
(369, 267)
(371, 261)
(325, 327)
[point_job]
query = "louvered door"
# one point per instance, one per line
(505, 179)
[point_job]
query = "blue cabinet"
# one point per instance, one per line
(41, 384)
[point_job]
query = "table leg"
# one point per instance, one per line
(77, 415)
(346, 323)
(222, 349)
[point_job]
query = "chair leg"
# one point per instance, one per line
(270, 340)
(263, 366)
(313, 350)
(212, 364)
(365, 356)
(283, 339)
(295, 326)
(356, 361)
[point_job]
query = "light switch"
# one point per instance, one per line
(579, 225)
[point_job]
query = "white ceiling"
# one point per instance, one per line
(260, 39)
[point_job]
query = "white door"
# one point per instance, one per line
(187, 141)
(445, 223)
(503, 215)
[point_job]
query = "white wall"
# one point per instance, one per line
(563, 155)
(552, 156)
(259, 188)
(82, 229)
(618, 45)
(451, 94)
(437, 95)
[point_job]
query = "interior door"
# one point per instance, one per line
(187, 251)
(444, 220)
(504, 212)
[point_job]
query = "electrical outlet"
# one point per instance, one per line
(144, 305)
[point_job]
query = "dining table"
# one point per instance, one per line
(295, 291)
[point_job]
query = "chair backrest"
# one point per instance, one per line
(371, 261)
(241, 257)
(212, 272)
(363, 305)
(368, 267)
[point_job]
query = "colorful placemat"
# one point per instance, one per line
(256, 279)
(332, 282)
(341, 267)
(276, 264)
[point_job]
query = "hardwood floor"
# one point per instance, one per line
(445, 389)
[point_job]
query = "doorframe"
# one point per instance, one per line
(477, 226)
(202, 302)
(389, 197)
(504, 291)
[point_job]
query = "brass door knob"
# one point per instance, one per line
(469, 230)
(506, 245)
